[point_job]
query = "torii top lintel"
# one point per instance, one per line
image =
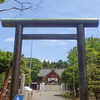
(53, 22)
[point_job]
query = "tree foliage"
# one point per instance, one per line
(5, 64)
(67, 75)
(2, 78)
(2, 1)
(60, 63)
(36, 65)
(5, 61)
(92, 46)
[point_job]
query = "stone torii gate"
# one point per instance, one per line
(79, 23)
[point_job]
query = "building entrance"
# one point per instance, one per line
(53, 81)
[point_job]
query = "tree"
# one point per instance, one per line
(2, 77)
(93, 71)
(36, 64)
(46, 64)
(72, 56)
(5, 66)
(23, 5)
(58, 64)
(92, 62)
(5, 61)
(93, 65)
(2, 1)
(5, 70)
(24, 69)
(67, 75)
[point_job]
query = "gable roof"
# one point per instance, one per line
(44, 71)
(52, 72)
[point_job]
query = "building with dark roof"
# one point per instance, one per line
(50, 75)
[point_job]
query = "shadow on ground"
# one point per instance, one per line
(59, 96)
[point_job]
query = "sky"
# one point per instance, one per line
(51, 50)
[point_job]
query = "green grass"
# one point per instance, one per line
(68, 96)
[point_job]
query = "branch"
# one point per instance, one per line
(24, 6)
(15, 8)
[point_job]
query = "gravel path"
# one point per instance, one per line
(48, 95)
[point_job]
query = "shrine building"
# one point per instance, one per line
(50, 75)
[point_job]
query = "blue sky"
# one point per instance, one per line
(51, 50)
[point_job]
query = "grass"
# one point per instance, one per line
(68, 96)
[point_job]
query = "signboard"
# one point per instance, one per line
(52, 79)
(18, 97)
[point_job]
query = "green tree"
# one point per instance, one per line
(2, 78)
(5, 66)
(2, 1)
(24, 69)
(67, 75)
(5, 61)
(58, 64)
(92, 62)
(46, 64)
(93, 70)
(36, 64)
(5, 70)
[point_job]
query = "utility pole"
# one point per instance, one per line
(30, 60)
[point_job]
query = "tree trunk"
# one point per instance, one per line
(77, 92)
(96, 93)
(7, 74)
(96, 96)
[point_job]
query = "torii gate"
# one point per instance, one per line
(79, 23)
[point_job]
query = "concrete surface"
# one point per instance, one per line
(47, 95)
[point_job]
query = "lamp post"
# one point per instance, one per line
(30, 60)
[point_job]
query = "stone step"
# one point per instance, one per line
(52, 88)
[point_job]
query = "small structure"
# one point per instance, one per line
(28, 93)
(50, 76)
(33, 85)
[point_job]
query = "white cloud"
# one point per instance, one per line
(62, 43)
(52, 57)
(47, 60)
(72, 40)
(10, 39)
(65, 48)
(53, 42)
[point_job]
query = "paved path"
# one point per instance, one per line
(52, 88)
(48, 95)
